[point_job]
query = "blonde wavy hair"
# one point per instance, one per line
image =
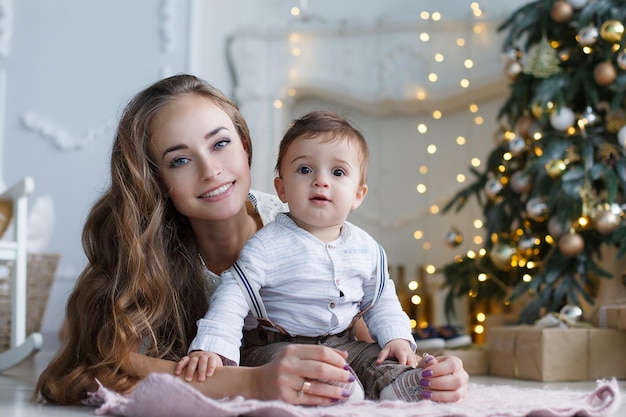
(143, 288)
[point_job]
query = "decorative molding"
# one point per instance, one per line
(6, 26)
(60, 138)
(376, 68)
(167, 27)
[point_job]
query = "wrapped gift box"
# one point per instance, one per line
(612, 316)
(556, 354)
(475, 359)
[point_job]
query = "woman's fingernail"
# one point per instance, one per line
(427, 394)
(345, 394)
(426, 373)
(429, 359)
(346, 367)
(425, 382)
(334, 400)
(351, 378)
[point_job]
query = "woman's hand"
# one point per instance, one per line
(285, 378)
(447, 380)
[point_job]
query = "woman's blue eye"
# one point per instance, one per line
(179, 162)
(339, 172)
(221, 143)
(304, 170)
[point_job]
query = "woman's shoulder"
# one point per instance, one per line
(267, 205)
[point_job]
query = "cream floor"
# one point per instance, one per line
(16, 387)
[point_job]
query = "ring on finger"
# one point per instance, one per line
(305, 386)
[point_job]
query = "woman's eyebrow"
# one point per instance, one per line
(215, 132)
(173, 148)
(209, 135)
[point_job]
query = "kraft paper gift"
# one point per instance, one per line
(612, 316)
(556, 354)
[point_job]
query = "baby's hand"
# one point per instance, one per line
(202, 362)
(399, 349)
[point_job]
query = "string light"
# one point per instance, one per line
(420, 93)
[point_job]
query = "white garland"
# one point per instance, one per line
(167, 29)
(6, 26)
(60, 138)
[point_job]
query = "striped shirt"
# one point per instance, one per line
(309, 288)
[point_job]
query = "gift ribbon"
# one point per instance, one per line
(560, 320)
(602, 315)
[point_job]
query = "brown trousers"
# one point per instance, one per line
(257, 350)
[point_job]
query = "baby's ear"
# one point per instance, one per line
(279, 185)
(359, 196)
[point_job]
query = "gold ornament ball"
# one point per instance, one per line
(537, 209)
(621, 60)
(520, 182)
(588, 35)
(501, 255)
(556, 227)
(606, 222)
(571, 244)
(612, 31)
(522, 125)
(512, 70)
(517, 146)
(555, 168)
(453, 237)
(561, 11)
(564, 55)
(604, 73)
(493, 186)
(537, 108)
(528, 245)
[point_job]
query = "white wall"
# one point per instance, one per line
(72, 65)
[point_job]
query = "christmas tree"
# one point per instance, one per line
(553, 189)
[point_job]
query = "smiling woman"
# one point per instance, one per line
(179, 188)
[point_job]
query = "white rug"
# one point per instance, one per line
(162, 395)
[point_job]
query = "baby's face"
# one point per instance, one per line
(321, 181)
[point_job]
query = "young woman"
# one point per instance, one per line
(176, 214)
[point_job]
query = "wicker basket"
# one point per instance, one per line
(40, 272)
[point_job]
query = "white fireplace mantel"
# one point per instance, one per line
(377, 68)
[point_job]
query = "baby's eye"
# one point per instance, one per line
(338, 172)
(305, 170)
(179, 162)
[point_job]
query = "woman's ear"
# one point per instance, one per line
(279, 185)
(359, 196)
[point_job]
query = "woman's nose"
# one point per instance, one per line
(210, 168)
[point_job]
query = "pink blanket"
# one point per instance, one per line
(162, 395)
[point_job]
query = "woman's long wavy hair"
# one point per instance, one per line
(143, 288)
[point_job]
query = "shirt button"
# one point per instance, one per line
(337, 281)
(331, 304)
